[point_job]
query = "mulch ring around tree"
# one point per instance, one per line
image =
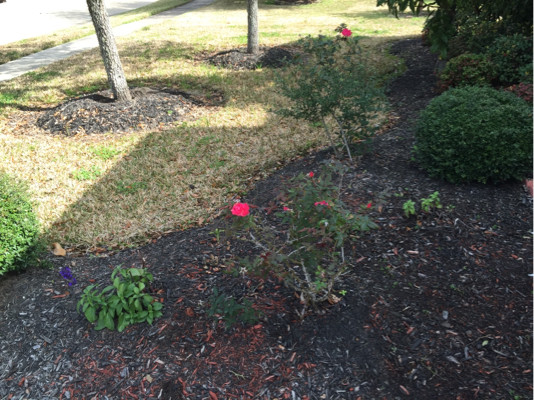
(435, 306)
(239, 59)
(98, 113)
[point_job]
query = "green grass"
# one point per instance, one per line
(140, 185)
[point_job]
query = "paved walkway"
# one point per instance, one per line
(21, 66)
(22, 19)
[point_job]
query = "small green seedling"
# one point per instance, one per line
(431, 202)
(409, 208)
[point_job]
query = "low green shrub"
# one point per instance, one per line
(474, 34)
(467, 70)
(511, 57)
(19, 227)
(475, 134)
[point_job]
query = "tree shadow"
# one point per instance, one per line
(179, 176)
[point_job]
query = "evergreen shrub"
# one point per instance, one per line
(475, 134)
(19, 227)
(467, 70)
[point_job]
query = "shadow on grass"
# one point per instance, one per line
(179, 177)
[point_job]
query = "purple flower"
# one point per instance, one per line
(67, 275)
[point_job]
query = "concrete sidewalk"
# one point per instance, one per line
(29, 63)
(23, 19)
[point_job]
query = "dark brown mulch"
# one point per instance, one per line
(436, 307)
(239, 59)
(97, 113)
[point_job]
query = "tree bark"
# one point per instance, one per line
(108, 50)
(253, 46)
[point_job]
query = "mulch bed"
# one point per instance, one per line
(437, 306)
(239, 59)
(97, 113)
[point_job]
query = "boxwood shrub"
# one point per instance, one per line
(19, 227)
(475, 134)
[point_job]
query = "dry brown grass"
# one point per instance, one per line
(153, 182)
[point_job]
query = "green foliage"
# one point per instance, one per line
(511, 57)
(19, 227)
(449, 18)
(427, 204)
(308, 254)
(123, 303)
(467, 70)
(409, 208)
(332, 85)
(432, 202)
(230, 310)
(475, 134)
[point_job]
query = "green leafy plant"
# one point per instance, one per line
(447, 19)
(510, 55)
(332, 85)
(308, 253)
(409, 208)
(231, 311)
(19, 227)
(467, 70)
(431, 202)
(123, 303)
(475, 134)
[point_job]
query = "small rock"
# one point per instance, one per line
(453, 359)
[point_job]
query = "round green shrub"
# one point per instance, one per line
(467, 70)
(475, 134)
(19, 227)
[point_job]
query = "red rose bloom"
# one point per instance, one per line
(240, 209)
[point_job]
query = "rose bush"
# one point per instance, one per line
(307, 252)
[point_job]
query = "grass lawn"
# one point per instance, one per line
(122, 190)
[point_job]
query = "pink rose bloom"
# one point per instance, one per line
(311, 174)
(369, 205)
(346, 32)
(323, 203)
(240, 209)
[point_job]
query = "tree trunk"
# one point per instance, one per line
(108, 49)
(252, 38)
